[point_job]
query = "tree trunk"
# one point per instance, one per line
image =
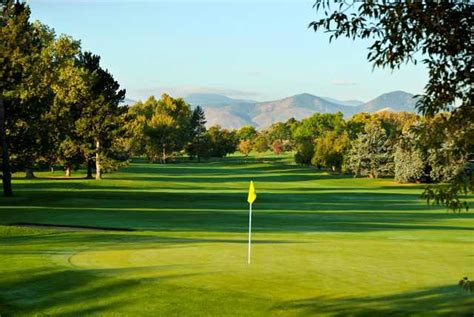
(29, 173)
(6, 174)
(163, 159)
(89, 168)
(67, 171)
(98, 172)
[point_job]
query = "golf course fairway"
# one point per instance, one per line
(171, 240)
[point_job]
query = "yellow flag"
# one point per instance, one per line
(252, 193)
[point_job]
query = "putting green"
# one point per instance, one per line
(184, 256)
(325, 267)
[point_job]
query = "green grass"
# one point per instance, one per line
(323, 245)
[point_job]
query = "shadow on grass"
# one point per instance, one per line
(31, 292)
(68, 292)
(185, 204)
(67, 240)
(438, 301)
(181, 207)
(237, 221)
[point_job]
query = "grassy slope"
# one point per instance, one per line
(322, 245)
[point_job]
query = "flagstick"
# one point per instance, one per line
(250, 231)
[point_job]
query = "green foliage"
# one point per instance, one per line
(400, 29)
(400, 32)
(395, 123)
(58, 105)
(198, 122)
(69, 87)
(198, 146)
(101, 118)
(311, 128)
(304, 152)
(409, 164)
(448, 146)
(247, 132)
(314, 126)
(160, 128)
(329, 150)
(222, 141)
(356, 124)
(450, 194)
(410, 158)
(260, 143)
(449, 143)
(24, 93)
(70, 154)
(278, 132)
(371, 154)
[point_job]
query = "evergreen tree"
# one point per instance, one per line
(437, 32)
(371, 154)
(198, 146)
(100, 118)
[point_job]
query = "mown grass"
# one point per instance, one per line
(323, 244)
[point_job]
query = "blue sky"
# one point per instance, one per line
(258, 49)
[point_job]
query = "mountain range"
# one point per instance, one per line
(235, 113)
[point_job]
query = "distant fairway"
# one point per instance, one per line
(323, 245)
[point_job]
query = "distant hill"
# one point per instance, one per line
(234, 113)
(298, 107)
(345, 102)
(395, 100)
(213, 99)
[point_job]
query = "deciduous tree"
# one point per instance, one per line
(245, 147)
(440, 33)
(329, 150)
(21, 98)
(100, 118)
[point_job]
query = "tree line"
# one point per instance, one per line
(438, 35)
(169, 127)
(407, 146)
(60, 107)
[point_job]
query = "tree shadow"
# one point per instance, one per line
(30, 292)
(177, 206)
(448, 300)
(69, 292)
(236, 221)
(64, 240)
